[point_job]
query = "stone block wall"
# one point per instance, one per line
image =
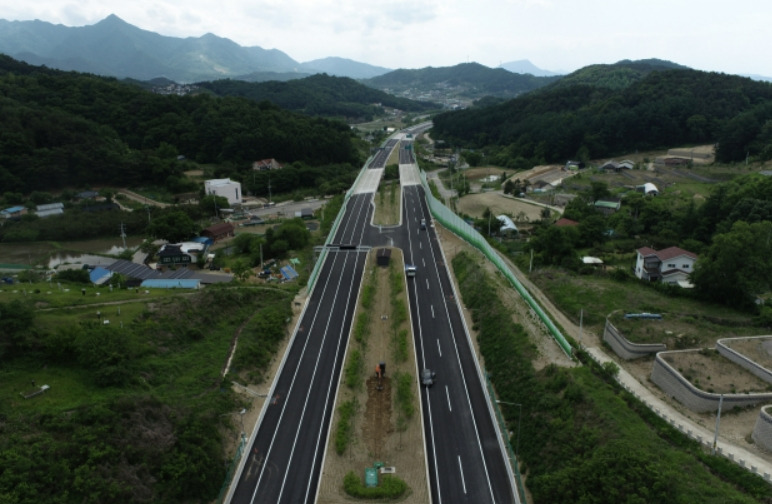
(679, 388)
(743, 360)
(762, 431)
(625, 348)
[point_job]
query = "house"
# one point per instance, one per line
(563, 222)
(218, 231)
(49, 209)
(227, 188)
(625, 164)
(541, 186)
(266, 164)
(574, 165)
(648, 189)
(173, 254)
(84, 195)
(14, 212)
(670, 265)
(608, 205)
(305, 213)
(99, 275)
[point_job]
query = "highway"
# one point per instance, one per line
(283, 459)
(465, 457)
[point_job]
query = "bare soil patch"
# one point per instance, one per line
(709, 371)
(757, 349)
(475, 205)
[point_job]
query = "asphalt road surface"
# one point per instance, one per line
(283, 460)
(465, 456)
(284, 457)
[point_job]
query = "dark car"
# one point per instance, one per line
(427, 377)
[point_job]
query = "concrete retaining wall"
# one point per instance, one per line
(762, 431)
(625, 348)
(680, 389)
(743, 360)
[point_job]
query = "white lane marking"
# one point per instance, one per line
(420, 245)
(432, 307)
(438, 347)
(423, 261)
(427, 284)
(447, 393)
(461, 470)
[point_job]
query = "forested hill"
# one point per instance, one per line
(320, 95)
(663, 109)
(618, 75)
(471, 80)
(67, 129)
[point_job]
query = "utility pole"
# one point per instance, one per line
(123, 235)
(269, 188)
(718, 422)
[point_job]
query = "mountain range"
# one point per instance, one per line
(113, 47)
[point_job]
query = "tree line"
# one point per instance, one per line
(65, 129)
(662, 109)
(320, 95)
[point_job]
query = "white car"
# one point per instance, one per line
(427, 377)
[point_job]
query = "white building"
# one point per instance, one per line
(225, 188)
(671, 265)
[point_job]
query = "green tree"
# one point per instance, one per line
(16, 319)
(211, 204)
(173, 226)
(736, 267)
(472, 157)
(242, 270)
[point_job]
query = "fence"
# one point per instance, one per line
(458, 226)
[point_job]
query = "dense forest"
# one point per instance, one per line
(662, 109)
(618, 75)
(64, 129)
(320, 95)
(472, 80)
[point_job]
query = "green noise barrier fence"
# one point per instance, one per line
(468, 233)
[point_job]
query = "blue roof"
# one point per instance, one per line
(13, 209)
(288, 272)
(172, 283)
(99, 275)
(203, 239)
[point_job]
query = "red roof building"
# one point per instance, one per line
(566, 222)
(218, 231)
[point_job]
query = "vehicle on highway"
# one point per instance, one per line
(410, 270)
(427, 377)
(423, 223)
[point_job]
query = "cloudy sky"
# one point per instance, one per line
(558, 35)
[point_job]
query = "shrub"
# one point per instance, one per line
(391, 487)
(345, 428)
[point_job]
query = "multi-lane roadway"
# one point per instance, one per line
(283, 459)
(464, 453)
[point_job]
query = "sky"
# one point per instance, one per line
(556, 35)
